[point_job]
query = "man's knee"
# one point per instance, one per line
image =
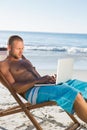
(80, 107)
(79, 99)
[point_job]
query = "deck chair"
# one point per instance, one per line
(26, 107)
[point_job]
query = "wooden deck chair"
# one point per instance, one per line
(26, 107)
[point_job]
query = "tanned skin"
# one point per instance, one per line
(19, 71)
(21, 74)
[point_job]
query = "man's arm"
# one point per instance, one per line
(22, 87)
(19, 87)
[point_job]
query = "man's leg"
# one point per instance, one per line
(64, 96)
(80, 107)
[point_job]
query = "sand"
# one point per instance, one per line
(50, 118)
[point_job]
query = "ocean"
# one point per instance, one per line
(44, 49)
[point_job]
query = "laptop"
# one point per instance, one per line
(64, 71)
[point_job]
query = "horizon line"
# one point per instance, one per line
(44, 32)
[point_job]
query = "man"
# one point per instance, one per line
(23, 76)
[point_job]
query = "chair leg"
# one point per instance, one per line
(73, 118)
(74, 126)
(30, 116)
(27, 112)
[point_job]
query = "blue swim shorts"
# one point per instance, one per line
(64, 95)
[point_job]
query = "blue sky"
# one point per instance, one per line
(67, 16)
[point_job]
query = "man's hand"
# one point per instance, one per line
(52, 79)
(46, 79)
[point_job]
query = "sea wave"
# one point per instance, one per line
(58, 49)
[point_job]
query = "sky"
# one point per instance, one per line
(62, 16)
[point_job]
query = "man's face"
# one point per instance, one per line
(16, 49)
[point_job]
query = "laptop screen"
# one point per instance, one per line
(64, 70)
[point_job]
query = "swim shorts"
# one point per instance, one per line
(63, 94)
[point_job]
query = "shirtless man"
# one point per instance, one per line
(23, 76)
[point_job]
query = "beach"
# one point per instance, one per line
(50, 118)
(44, 50)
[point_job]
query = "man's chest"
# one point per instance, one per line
(20, 67)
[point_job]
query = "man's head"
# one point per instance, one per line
(15, 46)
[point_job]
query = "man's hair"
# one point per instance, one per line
(13, 38)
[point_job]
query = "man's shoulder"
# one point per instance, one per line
(4, 65)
